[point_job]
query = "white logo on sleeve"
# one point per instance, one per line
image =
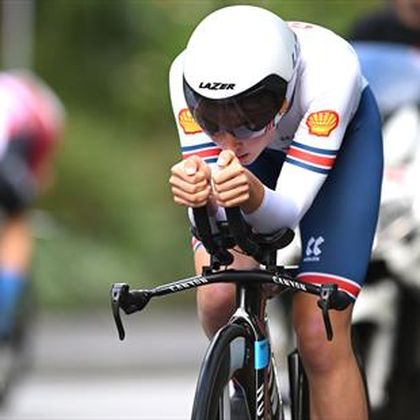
(313, 249)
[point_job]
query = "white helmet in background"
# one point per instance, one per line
(237, 66)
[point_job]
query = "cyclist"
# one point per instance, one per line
(31, 121)
(277, 118)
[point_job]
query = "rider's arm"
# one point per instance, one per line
(316, 144)
(193, 140)
(196, 146)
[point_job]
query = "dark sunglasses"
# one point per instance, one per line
(245, 116)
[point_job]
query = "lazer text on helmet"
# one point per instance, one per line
(217, 86)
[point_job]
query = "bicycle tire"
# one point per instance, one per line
(299, 388)
(228, 353)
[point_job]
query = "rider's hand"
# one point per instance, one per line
(230, 182)
(234, 185)
(190, 182)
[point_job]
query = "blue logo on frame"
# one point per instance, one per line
(262, 354)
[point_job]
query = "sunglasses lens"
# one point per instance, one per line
(245, 115)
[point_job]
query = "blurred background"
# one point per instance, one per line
(109, 217)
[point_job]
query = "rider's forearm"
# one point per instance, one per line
(274, 213)
(256, 194)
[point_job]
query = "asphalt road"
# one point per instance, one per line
(80, 370)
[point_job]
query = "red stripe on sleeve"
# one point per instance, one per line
(203, 153)
(348, 287)
(309, 157)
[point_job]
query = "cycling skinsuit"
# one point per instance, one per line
(324, 167)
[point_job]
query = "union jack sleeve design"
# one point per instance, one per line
(208, 151)
(312, 158)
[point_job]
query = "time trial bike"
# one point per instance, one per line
(238, 379)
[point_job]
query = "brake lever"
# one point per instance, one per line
(325, 303)
(119, 293)
(129, 301)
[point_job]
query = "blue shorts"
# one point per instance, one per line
(338, 229)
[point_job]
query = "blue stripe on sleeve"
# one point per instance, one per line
(306, 166)
(314, 149)
(198, 146)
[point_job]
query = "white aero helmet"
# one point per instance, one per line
(237, 66)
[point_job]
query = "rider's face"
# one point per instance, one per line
(245, 150)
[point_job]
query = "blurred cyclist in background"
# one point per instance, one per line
(276, 118)
(397, 22)
(31, 122)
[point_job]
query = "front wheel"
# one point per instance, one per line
(228, 355)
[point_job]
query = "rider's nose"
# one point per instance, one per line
(227, 140)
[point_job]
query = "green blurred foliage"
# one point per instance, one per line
(110, 216)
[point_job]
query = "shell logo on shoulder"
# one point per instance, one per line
(321, 123)
(187, 122)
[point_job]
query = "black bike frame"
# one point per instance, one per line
(251, 311)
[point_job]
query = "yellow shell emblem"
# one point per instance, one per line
(321, 123)
(187, 122)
